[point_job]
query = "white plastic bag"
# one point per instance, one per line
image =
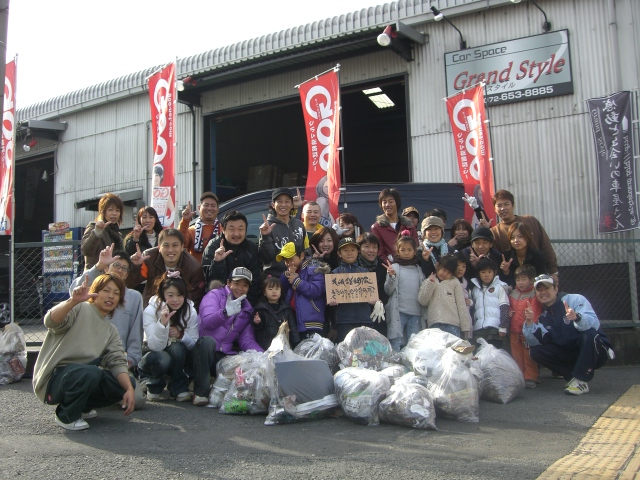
(364, 347)
(248, 392)
(424, 351)
(359, 392)
(13, 354)
(226, 372)
(502, 380)
(409, 404)
(454, 389)
(319, 348)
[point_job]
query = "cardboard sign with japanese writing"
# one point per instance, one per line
(611, 124)
(351, 287)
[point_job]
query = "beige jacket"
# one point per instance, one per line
(445, 303)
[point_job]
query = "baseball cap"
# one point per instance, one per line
(409, 210)
(281, 191)
(432, 222)
(288, 251)
(548, 279)
(241, 273)
(482, 232)
(347, 241)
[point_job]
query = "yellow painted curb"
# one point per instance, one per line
(610, 449)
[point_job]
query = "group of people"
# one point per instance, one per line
(159, 308)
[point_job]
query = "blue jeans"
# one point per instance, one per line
(170, 361)
(445, 327)
(410, 325)
(205, 359)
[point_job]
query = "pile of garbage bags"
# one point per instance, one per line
(13, 354)
(435, 375)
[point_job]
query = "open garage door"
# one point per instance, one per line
(265, 146)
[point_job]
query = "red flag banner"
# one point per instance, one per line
(6, 156)
(321, 109)
(162, 91)
(471, 136)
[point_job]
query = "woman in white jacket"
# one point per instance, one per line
(170, 324)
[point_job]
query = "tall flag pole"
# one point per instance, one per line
(471, 137)
(162, 92)
(320, 98)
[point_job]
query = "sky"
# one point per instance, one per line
(68, 45)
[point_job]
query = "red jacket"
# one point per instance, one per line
(387, 235)
(518, 304)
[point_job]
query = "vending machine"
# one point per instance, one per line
(60, 265)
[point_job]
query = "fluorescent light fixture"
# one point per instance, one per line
(369, 91)
(381, 101)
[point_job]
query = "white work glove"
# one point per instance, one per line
(378, 312)
(473, 203)
(233, 307)
(337, 228)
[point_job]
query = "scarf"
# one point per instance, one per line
(371, 266)
(406, 263)
(442, 245)
(199, 243)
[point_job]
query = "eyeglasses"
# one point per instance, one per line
(121, 267)
(544, 278)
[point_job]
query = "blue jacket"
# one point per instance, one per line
(551, 327)
(309, 294)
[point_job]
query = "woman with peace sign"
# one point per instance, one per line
(104, 230)
(523, 251)
(145, 232)
(82, 365)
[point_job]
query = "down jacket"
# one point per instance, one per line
(488, 302)
(225, 329)
(270, 321)
(157, 335)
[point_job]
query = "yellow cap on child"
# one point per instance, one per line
(288, 251)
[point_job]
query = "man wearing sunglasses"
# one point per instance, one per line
(567, 338)
(127, 318)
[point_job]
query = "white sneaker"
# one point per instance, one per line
(79, 424)
(183, 397)
(156, 397)
(90, 414)
(576, 387)
(200, 401)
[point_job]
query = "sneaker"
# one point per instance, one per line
(183, 397)
(530, 384)
(576, 387)
(90, 414)
(200, 401)
(143, 384)
(556, 375)
(156, 397)
(79, 424)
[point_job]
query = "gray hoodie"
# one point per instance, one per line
(270, 245)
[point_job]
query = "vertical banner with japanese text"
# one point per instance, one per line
(611, 124)
(467, 115)
(162, 92)
(6, 156)
(320, 98)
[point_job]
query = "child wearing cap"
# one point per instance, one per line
(491, 315)
(412, 214)
(404, 314)
(521, 298)
(481, 247)
(279, 228)
(348, 316)
(226, 316)
(303, 288)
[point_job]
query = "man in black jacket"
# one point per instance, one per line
(232, 250)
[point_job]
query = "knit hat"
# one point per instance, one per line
(409, 210)
(432, 222)
(347, 241)
(482, 232)
(281, 191)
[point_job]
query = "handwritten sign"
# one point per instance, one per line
(351, 287)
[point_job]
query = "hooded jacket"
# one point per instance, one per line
(518, 303)
(225, 329)
(271, 317)
(488, 302)
(270, 245)
(245, 254)
(387, 235)
(157, 335)
(309, 295)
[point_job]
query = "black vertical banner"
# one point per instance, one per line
(613, 138)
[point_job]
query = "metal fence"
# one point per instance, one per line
(604, 271)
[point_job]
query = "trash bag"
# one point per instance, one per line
(226, 372)
(454, 389)
(409, 404)
(394, 372)
(411, 377)
(319, 348)
(425, 349)
(300, 388)
(248, 392)
(364, 347)
(13, 354)
(502, 380)
(359, 392)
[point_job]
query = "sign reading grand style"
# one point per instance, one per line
(523, 69)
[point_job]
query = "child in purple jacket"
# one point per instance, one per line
(225, 316)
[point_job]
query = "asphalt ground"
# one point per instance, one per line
(176, 440)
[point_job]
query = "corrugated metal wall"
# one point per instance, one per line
(542, 149)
